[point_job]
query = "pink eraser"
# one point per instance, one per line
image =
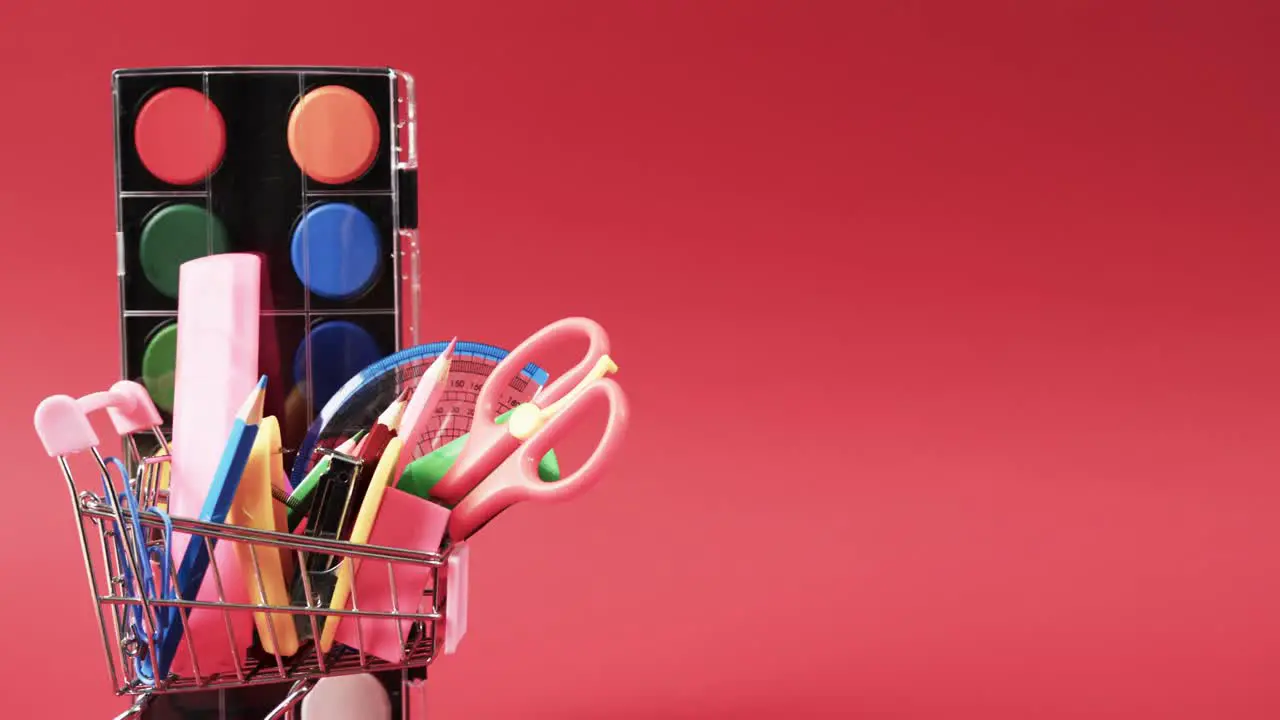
(404, 521)
(455, 602)
(216, 368)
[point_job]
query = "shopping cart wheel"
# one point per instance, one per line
(135, 711)
(283, 711)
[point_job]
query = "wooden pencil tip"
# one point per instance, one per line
(251, 411)
(440, 366)
(393, 410)
(391, 418)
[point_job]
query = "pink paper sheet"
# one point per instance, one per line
(404, 521)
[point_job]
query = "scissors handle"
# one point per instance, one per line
(487, 402)
(489, 444)
(516, 479)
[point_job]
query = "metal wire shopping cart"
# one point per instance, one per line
(132, 538)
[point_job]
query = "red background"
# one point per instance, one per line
(950, 331)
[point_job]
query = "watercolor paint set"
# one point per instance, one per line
(314, 170)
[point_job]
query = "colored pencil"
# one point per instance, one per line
(426, 396)
(373, 445)
(369, 452)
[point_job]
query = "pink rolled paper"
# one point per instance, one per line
(404, 521)
(216, 368)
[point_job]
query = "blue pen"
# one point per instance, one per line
(195, 561)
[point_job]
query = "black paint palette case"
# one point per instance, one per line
(312, 168)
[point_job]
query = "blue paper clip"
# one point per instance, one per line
(148, 587)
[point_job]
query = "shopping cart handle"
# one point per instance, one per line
(135, 416)
(62, 422)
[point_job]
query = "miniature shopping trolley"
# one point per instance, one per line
(131, 593)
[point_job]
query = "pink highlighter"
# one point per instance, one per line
(411, 523)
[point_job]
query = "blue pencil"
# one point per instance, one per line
(195, 561)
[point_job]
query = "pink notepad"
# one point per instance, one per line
(404, 521)
(217, 367)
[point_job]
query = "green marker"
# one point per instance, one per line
(422, 474)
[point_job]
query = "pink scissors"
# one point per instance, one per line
(489, 444)
(516, 479)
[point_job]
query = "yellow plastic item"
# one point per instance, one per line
(254, 507)
(158, 479)
(163, 477)
(528, 418)
(360, 534)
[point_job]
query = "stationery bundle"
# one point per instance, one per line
(252, 574)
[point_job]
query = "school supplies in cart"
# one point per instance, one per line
(139, 609)
(372, 565)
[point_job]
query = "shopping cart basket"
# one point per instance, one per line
(128, 608)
